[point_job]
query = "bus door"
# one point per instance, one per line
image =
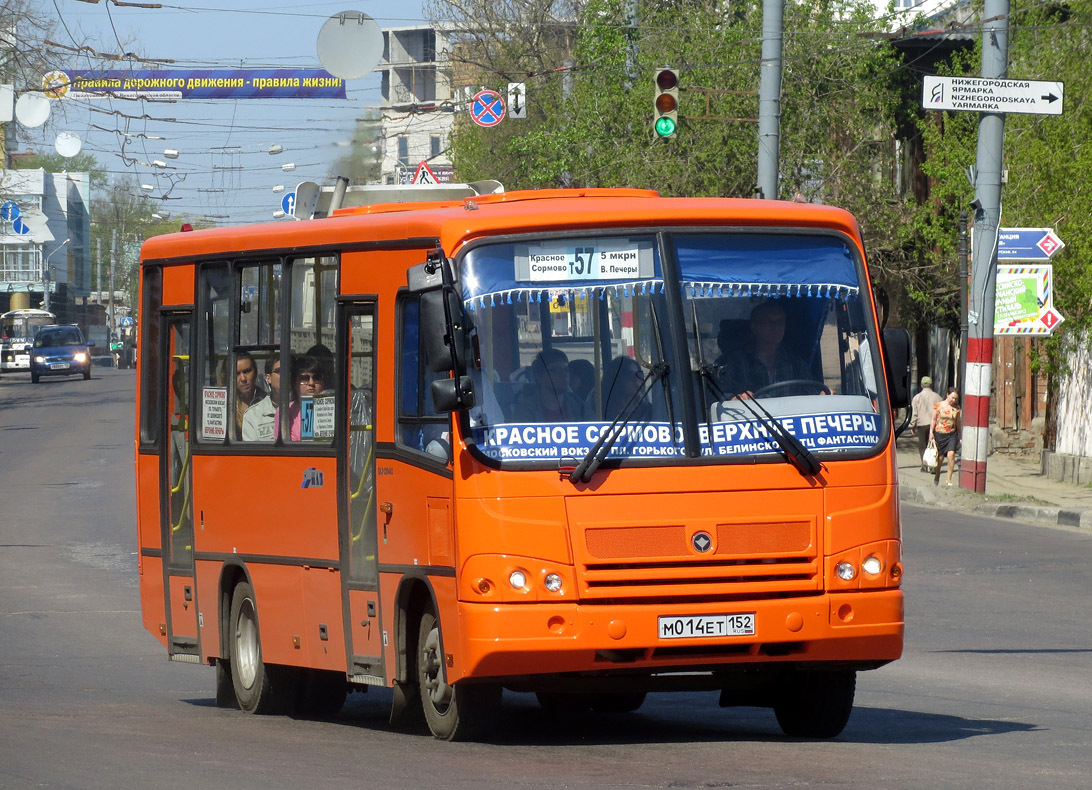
(357, 505)
(176, 494)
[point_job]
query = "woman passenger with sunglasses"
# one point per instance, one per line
(308, 380)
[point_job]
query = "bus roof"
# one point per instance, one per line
(451, 222)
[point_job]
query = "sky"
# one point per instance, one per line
(224, 168)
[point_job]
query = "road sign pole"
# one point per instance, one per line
(978, 376)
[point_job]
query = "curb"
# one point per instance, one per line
(1042, 514)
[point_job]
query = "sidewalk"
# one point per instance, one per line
(1015, 489)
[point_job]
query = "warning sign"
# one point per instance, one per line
(424, 175)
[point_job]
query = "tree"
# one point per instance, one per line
(363, 164)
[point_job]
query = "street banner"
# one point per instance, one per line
(194, 84)
(1025, 301)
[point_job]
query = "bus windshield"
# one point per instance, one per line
(572, 336)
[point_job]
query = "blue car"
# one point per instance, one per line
(59, 351)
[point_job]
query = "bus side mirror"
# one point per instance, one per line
(443, 320)
(447, 397)
(443, 330)
(896, 357)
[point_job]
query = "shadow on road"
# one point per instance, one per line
(676, 719)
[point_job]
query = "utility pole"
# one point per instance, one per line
(110, 312)
(978, 377)
(769, 99)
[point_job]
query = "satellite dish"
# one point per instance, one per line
(350, 45)
(32, 109)
(68, 144)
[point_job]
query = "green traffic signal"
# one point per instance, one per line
(666, 102)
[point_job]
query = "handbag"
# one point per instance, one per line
(930, 457)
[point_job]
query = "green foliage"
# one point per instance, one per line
(851, 123)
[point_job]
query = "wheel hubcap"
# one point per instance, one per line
(245, 659)
(432, 680)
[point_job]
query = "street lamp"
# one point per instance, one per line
(46, 280)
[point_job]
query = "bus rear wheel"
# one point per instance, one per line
(258, 688)
(458, 712)
(816, 704)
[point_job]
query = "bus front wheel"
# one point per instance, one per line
(816, 704)
(258, 688)
(458, 712)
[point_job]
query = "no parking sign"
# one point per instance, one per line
(487, 108)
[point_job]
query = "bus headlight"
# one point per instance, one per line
(845, 570)
(872, 565)
(518, 579)
(552, 582)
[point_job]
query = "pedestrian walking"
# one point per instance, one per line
(921, 415)
(944, 430)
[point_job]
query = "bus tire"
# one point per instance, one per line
(258, 688)
(816, 704)
(459, 712)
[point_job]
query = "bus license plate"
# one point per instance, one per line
(58, 366)
(709, 625)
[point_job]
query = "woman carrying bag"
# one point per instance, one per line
(944, 430)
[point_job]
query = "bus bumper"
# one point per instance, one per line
(856, 629)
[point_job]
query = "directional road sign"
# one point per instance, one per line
(10, 211)
(1027, 244)
(487, 108)
(288, 204)
(1031, 97)
(517, 101)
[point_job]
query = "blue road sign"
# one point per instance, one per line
(20, 227)
(1027, 244)
(487, 108)
(288, 203)
(10, 211)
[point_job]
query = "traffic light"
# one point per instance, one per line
(667, 103)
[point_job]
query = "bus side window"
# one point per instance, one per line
(258, 347)
(312, 331)
(214, 408)
(420, 428)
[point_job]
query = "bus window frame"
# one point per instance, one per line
(229, 446)
(151, 324)
(676, 344)
(424, 399)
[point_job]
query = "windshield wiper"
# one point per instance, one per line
(601, 449)
(800, 457)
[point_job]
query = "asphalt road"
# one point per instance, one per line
(994, 690)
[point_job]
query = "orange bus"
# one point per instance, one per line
(588, 444)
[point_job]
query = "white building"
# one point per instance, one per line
(418, 104)
(39, 211)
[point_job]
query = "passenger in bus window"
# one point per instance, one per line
(622, 378)
(308, 380)
(325, 359)
(247, 391)
(761, 359)
(582, 378)
(260, 420)
(550, 399)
